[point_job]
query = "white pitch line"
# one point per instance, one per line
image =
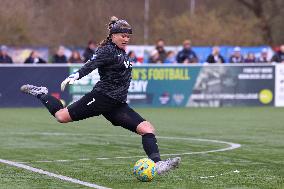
(61, 177)
(231, 147)
(213, 176)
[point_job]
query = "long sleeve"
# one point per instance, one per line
(102, 57)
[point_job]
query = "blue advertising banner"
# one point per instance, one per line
(12, 78)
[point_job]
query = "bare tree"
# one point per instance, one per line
(265, 11)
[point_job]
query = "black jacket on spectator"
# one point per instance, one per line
(187, 54)
(88, 54)
(6, 59)
(213, 59)
(162, 54)
(59, 59)
(278, 57)
(31, 60)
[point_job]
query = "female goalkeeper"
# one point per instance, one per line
(108, 97)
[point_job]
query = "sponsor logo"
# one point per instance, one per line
(178, 98)
(164, 98)
(265, 96)
(92, 101)
(127, 64)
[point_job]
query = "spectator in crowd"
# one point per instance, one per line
(279, 56)
(187, 55)
(60, 57)
(215, 57)
(236, 56)
(4, 57)
(171, 58)
(34, 59)
(154, 57)
(263, 56)
(132, 57)
(162, 54)
(75, 57)
(89, 51)
(250, 58)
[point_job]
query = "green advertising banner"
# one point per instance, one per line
(84, 85)
(162, 86)
(150, 86)
(192, 86)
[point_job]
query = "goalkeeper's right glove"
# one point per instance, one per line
(71, 79)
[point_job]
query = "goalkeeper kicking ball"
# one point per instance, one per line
(144, 170)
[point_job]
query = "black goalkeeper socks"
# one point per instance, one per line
(51, 103)
(150, 146)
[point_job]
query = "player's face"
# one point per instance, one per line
(121, 39)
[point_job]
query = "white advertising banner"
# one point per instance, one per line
(279, 85)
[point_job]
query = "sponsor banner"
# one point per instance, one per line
(218, 86)
(161, 86)
(150, 86)
(84, 85)
(156, 86)
(12, 78)
(279, 85)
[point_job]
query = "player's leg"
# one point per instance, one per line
(149, 141)
(129, 119)
(54, 106)
(147, 131)
(81, 109)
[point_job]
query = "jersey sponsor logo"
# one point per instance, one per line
(92, 101)
(92, 59)
(127, 64)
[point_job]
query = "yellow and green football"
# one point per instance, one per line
(144, 169)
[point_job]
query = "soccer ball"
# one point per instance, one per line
(144, 169)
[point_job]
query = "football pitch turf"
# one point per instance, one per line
(95, 152)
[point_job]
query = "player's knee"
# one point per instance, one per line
(145, 127)
(61, 117)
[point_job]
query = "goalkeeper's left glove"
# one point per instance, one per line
(71, 79)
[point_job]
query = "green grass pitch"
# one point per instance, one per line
(32, 135)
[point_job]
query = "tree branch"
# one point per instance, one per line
(247, 4)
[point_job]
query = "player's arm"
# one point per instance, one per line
(101, 58)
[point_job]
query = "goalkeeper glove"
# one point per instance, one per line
(71, 79)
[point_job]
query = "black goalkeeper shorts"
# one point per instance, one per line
(94, 104)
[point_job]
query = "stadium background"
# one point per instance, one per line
(176, 97)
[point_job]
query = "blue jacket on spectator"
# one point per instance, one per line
(5, 59)
(187, 55)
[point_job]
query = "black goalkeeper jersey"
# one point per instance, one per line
(114, 69)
